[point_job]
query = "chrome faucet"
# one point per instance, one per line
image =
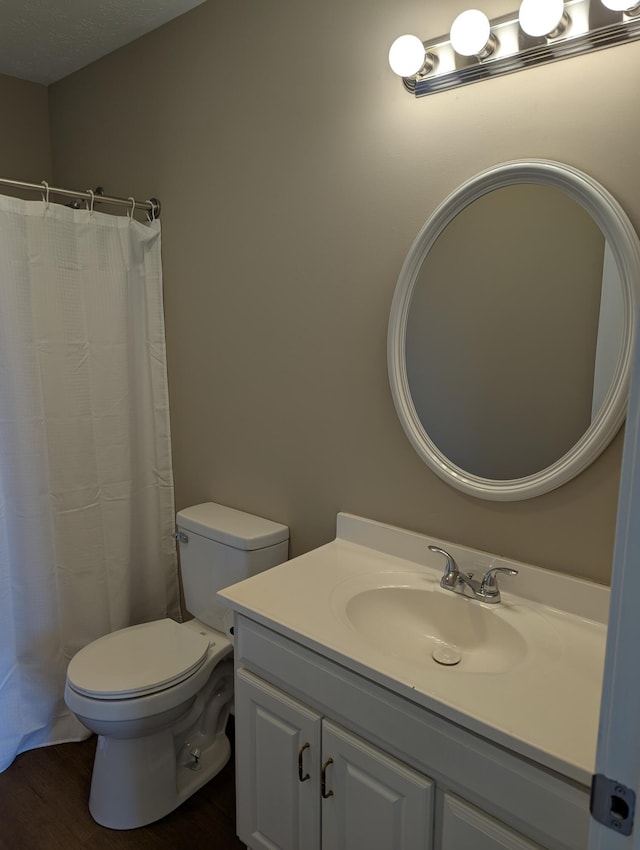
(486, 590)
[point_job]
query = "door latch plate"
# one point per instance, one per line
(612, 804)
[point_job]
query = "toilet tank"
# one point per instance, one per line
(220, 546)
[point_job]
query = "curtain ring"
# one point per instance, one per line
(154, 213)
(133, 206)
(93, 196)
(45, 193)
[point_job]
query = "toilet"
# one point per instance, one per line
(158, 695)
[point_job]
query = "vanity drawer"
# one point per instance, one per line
(460, 825)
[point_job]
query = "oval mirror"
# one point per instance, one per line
(512, 327)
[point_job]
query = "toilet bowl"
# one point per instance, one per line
(159, 694)
(161, 725)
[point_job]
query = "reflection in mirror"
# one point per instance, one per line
(505, 362)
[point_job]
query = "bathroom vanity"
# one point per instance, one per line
(349, 734)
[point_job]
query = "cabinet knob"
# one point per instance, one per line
(302, 776)
(324, 791)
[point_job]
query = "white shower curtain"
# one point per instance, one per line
(86, 487)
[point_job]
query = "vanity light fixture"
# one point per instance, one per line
(542, 31)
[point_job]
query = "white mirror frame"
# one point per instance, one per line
(624, 243)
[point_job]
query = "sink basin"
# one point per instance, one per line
(421, 623)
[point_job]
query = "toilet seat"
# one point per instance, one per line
(137, 660)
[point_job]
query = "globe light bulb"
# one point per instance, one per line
(407, 55)
(621, 5)
(471, 33)
(541, 17)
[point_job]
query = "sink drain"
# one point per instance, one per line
(447, 655)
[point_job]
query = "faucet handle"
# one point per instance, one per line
(451, 572)
(489, 583)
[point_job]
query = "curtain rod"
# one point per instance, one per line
(152, 206)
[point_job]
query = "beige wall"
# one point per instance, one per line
(25, 151)
(294, 173)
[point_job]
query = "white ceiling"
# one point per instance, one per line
(44, 40)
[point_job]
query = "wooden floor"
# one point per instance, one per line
(43, 806)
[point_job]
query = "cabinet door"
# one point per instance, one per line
(464, 827)
(370, 800)
(277, 762)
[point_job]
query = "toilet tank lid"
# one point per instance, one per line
(231, 527)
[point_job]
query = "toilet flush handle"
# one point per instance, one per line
(181, 537)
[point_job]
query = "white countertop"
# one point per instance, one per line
(545, 707)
